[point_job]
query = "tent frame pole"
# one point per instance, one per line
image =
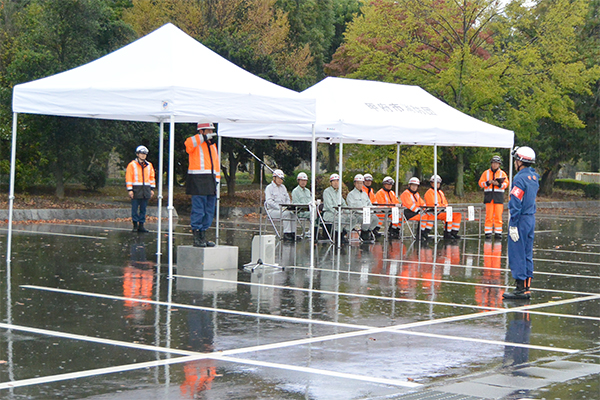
(11, 194)
(161, 157)
(218, 193)
(435, 192)
(397, 166)
(341, 165)
(313, 187)
(171, 179)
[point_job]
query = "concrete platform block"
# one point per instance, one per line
(194, 261)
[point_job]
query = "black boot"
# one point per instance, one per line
(135, 227)
(198, 240)
(207, 243)
(455, 234)
(488, 236)
(424, 234)
(447, 235)
(344, 236)
(141, 228)
(520, 293)
(498, 236)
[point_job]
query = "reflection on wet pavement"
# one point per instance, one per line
(89, 312)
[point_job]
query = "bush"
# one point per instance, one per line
(592, 190)
(570, 184)
(95, 177)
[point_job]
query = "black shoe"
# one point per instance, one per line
(448, 235)
(394, 233)
(141, 228)
(455, 234)
(498, 236)
(424, 234)
(376, 233)
(488, 236)
(289, 237)
(366, 236)
(203, 238)
(199, 241)
(520, 293)
(135, 227)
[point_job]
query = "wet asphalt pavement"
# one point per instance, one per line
(87, 312)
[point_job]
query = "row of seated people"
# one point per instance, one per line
(356, 200)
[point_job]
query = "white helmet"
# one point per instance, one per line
(414, 181)
(302, 175)
(359, 178)
(435, 178)
(279, 173)
(334, 177)
(368, 177)
(525, 154)
(206, 125)
(141, 149)
(388, 180)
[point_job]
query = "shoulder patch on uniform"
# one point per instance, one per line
(534, 178)
(517, 192)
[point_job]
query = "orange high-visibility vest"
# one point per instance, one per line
(430, 198)
(385, 197)
(370, 192)
(135, 175)
(411, 201)
(200, 157)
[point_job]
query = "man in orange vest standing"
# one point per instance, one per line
(204, 174)
(493, 182)
(139, 178)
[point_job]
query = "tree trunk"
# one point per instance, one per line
(60, 182)
(547, 180)
(259, 154)
(459, 189)
(233, 165)
(331, 159)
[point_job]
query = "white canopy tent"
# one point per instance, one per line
(165, 76)
(371, 112)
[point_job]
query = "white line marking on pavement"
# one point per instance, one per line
(55, 234)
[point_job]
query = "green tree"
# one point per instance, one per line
(512, 68)
(50, 37)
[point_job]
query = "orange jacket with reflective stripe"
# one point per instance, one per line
(430, 198)
(411, 201)
(136, 175)
(385, 197)
(200, 158)
(370, 192)
(491, 192)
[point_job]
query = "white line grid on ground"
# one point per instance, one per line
(225, 355)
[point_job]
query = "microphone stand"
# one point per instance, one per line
(259, 263)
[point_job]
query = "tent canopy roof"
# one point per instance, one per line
(161, 74)
(369, 112)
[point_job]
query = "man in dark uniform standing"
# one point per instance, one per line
(522, 222)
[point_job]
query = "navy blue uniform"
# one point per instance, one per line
(522, 215)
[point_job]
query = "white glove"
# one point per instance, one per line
(513, 231)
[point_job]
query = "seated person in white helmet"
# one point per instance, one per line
(367, 187)
(358, 198)
(301, 195)
(387, 196)
(452, 227)
(331, 202)
(276, 194)
(413, 205)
